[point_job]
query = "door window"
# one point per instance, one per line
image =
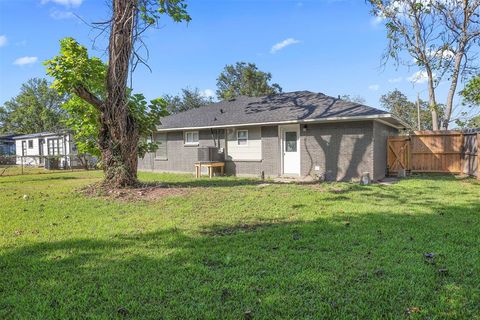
(291, 141)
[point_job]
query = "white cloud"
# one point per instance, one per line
(395, 80)
(208, 93)
(59, 14)
(25, 60)
(440, 53)
(66, 3)
(374, 87)
(285, 43)
(3, 40)
(419, 77)
(375, 21)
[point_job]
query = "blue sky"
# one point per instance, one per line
(329, 46)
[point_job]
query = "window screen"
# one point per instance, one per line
(191, 137)
(242, 137)
(161, 141)
(290, 141)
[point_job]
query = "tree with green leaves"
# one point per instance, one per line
(355, 99)
(439, 37)
(188, 99)
(471, 97)
(471, 92)
(84, 119)
(245, 79)
(104, 87)
(398, 104)
(37, 108)
(474, 122)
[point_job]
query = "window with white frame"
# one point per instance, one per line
(161, 141)
(55, 146)
(30, 144)
(191, 138)
(242, 137)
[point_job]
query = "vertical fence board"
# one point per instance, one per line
(478, 156)
(435, 151)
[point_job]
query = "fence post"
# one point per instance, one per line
(478, 156)
(21, 161)
(462, 155)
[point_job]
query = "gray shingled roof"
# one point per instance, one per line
(292, 106)
(36, 135)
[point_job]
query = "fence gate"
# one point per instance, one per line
(398, 156)
(435, 151)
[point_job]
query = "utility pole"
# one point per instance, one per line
(419, 126)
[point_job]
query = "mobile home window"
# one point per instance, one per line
(55, 146)
(242, 137)
(191, 137)
(161, 141)
(30, 144)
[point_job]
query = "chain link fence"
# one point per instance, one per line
(12, 165)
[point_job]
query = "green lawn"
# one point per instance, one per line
(14, 170)
(228, 248)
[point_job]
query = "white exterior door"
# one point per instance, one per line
(290, 141)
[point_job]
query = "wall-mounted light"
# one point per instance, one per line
(304, 128)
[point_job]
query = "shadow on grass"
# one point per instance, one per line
(363, 267)
(344, 187)
(38, 178)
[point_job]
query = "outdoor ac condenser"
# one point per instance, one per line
(209, 154)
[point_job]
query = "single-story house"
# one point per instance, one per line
(34, 149)
(7, 144)
(294, 134)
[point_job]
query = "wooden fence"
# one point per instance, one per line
(453, 152)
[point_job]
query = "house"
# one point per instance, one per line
(7, 149)
(35, 149)
(7, 144)
(295, 134)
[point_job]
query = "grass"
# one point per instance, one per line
(15, 170)
(229, 248)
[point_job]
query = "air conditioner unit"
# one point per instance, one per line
(209, 154)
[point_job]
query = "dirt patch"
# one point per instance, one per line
(147, 192)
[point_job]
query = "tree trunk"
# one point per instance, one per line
(118, 138)
(453, 87)
(432, 100)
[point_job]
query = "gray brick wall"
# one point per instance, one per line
(244, 168)
(341, 151)
(270, 151)
(380, 134)
(180, 158)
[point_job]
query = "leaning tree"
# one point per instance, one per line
(441, 37)
(119, 129)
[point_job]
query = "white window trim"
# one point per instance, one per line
(191, 143)
(242, 145)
